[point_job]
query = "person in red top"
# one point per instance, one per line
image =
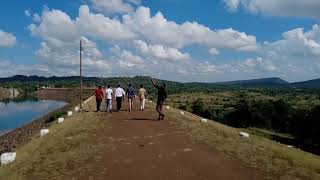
(99, 96)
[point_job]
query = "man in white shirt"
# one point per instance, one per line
(109, 93)
(119, 97)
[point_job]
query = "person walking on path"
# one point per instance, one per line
(99, 96)
(142, 97)
(119, 97)
(162, 95)
(109, 93)
(131, 96)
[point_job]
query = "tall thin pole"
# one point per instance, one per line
(81, 74)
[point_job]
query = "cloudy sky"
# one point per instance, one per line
(183, 40)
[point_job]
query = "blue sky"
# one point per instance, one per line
(188, 40)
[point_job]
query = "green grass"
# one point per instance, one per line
(267, 133)
(69, 150)
(276, 161)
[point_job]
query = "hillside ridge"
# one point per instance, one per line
(260, 82)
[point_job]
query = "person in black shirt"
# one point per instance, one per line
(131, 96)
(162, 95)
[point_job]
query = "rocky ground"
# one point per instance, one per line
(8, 93)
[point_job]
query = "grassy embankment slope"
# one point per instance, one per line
(72, 149)
(286, 113)
(277, 161)
(69, 150)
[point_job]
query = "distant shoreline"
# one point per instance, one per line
(5, 132)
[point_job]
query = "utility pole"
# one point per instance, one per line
(101, 80)
(81, 49)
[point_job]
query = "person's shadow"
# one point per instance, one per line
(143, 119)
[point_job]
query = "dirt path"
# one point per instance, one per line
(144, 149)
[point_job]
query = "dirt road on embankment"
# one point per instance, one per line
(143, 148)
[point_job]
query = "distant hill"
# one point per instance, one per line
(315, 83)
(73, 81)
(256, 82)
(21, 78)
(42, 78)
(31, 83)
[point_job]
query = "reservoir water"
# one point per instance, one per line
(14, 114)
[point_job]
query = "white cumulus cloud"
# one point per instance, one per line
(214, 51)
(296, 44)
(143, 44)
(288, 8)
(161, 52)
(129, 60)
(27, 13)
(56, 27)
(6, 39)
(100, 26)
(114, 6)
(157, 29)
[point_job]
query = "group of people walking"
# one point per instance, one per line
(119, 95)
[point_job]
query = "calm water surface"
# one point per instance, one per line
(14, 114)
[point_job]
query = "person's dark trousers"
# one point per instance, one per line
(119, 101)
(159, 108)
(98, 104)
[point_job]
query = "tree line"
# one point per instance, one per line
(275, 115)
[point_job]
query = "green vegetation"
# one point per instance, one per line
(32, 84)
(56, 115)
(29, 84)
(294, 112)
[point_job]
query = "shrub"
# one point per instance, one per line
(198, 107)
(240, 116)
(54, 116)
(308, 129)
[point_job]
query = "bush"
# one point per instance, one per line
(261, 116)
(182, 107)
(307, 130)
(241, 116)
(274, 115)
(282, 116)
(198, 107)
(54, 116)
